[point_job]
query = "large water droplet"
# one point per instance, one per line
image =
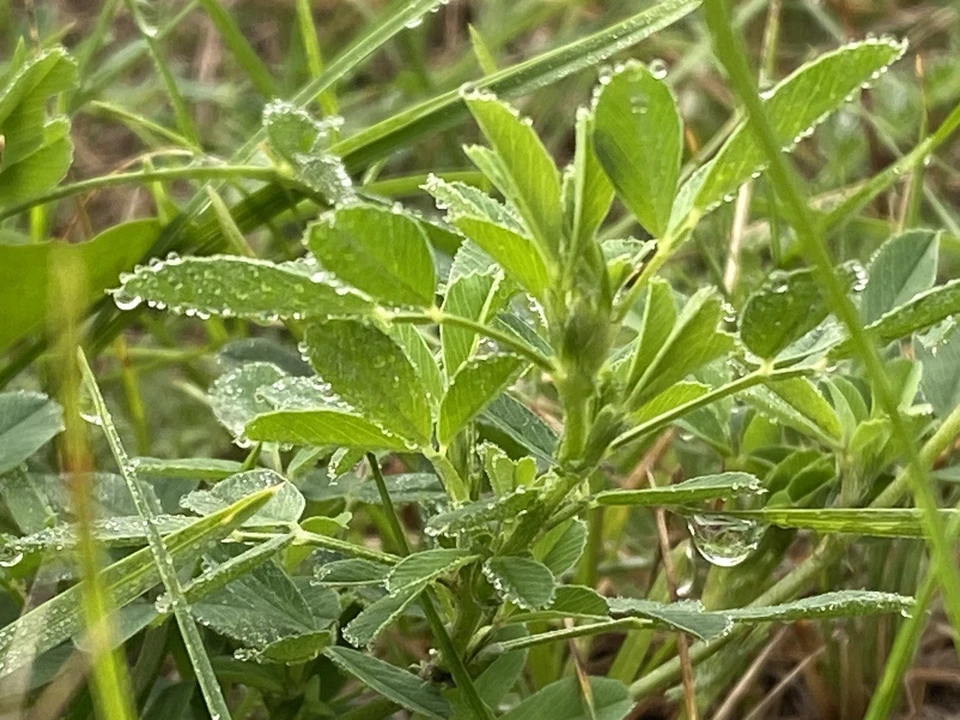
(723, 540)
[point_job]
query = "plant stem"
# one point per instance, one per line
(457, 668)
(436, 316)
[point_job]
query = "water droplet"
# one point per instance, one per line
(658, 68)
(723, 540)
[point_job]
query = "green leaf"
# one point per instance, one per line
(506, 475)
(29, 274)
(693, 342)
(461, 200)
(305, 144)
(37, 150)
(25, 499)
(355, 572)
(257, 609)
(56, 620)
(563, 700)
(404, 488)
(28, 421)
(941, 372)
(838, 604)
(192, 468)
(292, 650)
(659, 317)
(324, 427)
(699, 489)
(382, 252)
(526, 173)
(230, 286)
(523, 581)
(517, 422)
(638, 126)
(560, 547)
(785, 308)
(687, 616)
(794, 107)
(673, 397)
(372, 372)
(235, 396)
(571, 601)
(903, 267)
(425, 567)
(476, 296)
(517, 254)
(591, 188)
(400, 686)
(284, 508)
(375, 618)
(475, 386)
(874, 522)
(422, 357)
(804, 397)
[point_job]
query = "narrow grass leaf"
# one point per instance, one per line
(699, 489)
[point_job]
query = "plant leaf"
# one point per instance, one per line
(941, 372)
(284, 508)
(560, 547)
(400, 686)
(28, 421)
(475, 386)
(235, 399)
(838, 604)
(638, 126)
(526, 173)
(516, 421)
(228, 286)
(903, 267)
(323, 427)
(375, 618)
(794, 107)
(522, 581)
(353, 572)
(687, 616)
(425, 567)
(382, 252)
(371, 372)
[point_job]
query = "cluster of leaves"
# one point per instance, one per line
(421, 337)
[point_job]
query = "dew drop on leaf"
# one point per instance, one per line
(723, 540)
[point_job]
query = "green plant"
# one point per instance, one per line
(415, 341)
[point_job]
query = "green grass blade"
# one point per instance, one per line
(161, 554)
(311, 48)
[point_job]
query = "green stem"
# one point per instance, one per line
(457, 668)
(438, 317)
(568, 633)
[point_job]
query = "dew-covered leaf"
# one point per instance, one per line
(563, 700)
(323, 427)
(381, 252)
(400, 686)
(794, 107)
(796, 403)
(571, 601)
(29, 273)
(284, 508)
(476, 385)
(518, 255)
(404, 488)
(523, 581)
(676, 395)
(292, 650)
(460, 200)
(506, 475)
(192, 468)
(354, 572)
(28, 421)
(638, 126)
(687, 616)
(257, 609)
(375, 618)
(424, 567)
(589, 193)
(699, 489)
(526, 174)
(304, 143)
(479, 514)
(235, 396)
(371, 372)
(231, 286)
(61, 617)
(903, 267)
